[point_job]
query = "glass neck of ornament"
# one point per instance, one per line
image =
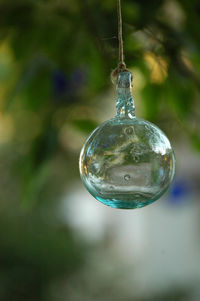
(125, 103)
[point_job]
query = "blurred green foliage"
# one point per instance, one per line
(58, 55)
(34, 255)
(55, 63)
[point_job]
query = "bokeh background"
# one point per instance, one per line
(56, 242)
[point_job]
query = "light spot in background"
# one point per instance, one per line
(187, 61)
(171, 10)
(81, 211)
(157, 66)
(71, 139)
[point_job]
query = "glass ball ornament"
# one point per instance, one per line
(127, 162)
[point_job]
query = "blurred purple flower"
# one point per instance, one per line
(179, 192)
(64, 86)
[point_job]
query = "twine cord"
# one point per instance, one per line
(121, 65)
(120, 38)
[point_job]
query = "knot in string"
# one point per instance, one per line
(120, 68)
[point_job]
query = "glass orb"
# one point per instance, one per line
(127, 162)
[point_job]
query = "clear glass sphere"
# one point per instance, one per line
(127, 162)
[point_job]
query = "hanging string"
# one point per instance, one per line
(121, 65)
(120, 39)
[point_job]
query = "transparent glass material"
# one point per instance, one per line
(127, 162)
